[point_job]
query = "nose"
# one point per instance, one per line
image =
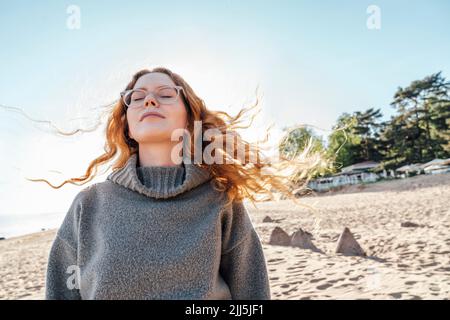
(150, 101)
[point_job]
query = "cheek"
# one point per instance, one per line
(178, 116)
(133, 122)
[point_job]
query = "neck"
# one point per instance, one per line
(156, 154)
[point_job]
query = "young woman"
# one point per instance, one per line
(158, 227)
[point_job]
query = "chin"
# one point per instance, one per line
(153, 137)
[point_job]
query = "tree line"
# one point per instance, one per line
(417, 133)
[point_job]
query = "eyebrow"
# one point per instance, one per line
(161, 86)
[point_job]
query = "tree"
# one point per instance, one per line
(343, 144)
(394, 143)
(422, 123)
(355, 138)
(367, 128)
(418, 133)
(297, 140)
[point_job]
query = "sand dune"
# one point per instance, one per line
(401, 262)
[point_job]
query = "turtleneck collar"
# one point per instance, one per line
(159, 181)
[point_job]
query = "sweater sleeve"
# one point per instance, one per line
(62, 277)
(243, 264)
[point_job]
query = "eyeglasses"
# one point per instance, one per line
(135, 98)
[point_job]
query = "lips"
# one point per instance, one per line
(152, 114)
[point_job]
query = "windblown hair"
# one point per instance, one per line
(237, 177)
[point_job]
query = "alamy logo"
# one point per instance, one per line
(374, 19)
(74, 19)
(73, 281)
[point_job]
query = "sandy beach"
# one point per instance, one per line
(402, 262)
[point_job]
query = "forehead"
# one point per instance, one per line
(152, 80)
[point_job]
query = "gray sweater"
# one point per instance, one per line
(156, 233)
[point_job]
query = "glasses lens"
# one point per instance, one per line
(134, 98)
(167, 95)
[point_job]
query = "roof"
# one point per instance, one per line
(438, 162)
(431, 165)
(410, 167)
(435, 167)
(366, 165)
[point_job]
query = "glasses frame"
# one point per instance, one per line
(126, 92)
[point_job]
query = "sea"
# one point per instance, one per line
(21, 224)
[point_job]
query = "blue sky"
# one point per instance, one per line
(312, 61)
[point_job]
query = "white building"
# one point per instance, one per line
(354, 174)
